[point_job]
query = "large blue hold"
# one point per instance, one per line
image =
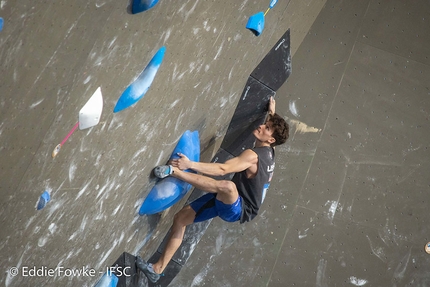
(140, 86)
(142, 5)
(170, 190)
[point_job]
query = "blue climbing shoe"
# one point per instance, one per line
(163, 171)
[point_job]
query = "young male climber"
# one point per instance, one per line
(235, 200)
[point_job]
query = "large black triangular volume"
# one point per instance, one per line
(275, 68)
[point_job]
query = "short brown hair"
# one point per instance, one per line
(281, 129)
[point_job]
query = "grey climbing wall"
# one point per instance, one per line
(347, 205)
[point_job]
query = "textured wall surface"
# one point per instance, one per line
(346, 206)
(53, 56)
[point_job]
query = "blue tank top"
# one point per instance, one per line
(253, 190)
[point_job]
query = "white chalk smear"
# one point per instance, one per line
(98, 5)
(86, 81)
(219, 51)
(72, 171)
(357, 282)
(200, 278)
(321, 279)
(172, 105)
(293, 109)
(42, 241)
(333, 207)
(303, 234)
(303, 128)
(82, 191)
(378, 251)
(168, 32)
(9, 276)
(36, 104)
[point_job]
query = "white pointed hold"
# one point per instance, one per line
(90, 114)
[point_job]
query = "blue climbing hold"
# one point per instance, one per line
(1, 23)
(140, 86)
(170, 190)
(142, 5)
(43, 200)
(256, 23)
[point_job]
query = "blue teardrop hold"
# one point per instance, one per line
(43, 200)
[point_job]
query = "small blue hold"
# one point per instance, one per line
(43, 200)
(1, 23)
(256, 23)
